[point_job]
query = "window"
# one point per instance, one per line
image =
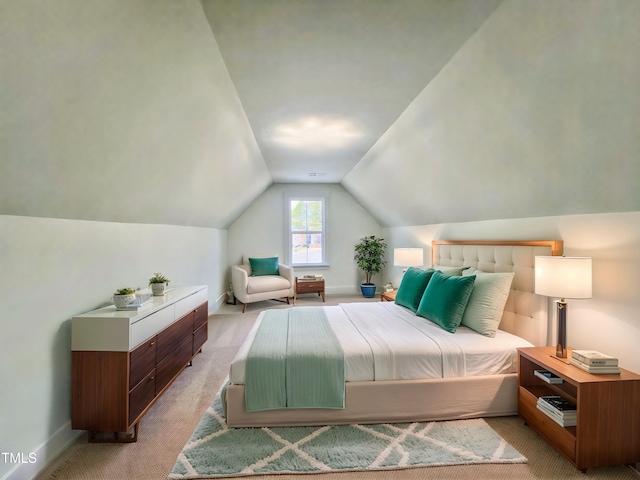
(307, 235)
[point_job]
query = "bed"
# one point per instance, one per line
(480, 380)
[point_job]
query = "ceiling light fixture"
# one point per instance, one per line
(315, 132)
(316, 174)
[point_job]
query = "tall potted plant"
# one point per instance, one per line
(370, 258)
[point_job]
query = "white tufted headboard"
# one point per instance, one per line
(525, 313)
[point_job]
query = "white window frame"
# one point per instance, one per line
(289, 233)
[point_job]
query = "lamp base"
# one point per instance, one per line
(561, 346)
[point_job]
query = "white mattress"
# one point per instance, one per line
(384, 341)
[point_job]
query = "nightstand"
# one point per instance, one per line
(388, 296)
(608, 410)
(308, 285)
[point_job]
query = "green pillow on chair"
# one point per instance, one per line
(264, 266)
(445, 299)
(412, 287)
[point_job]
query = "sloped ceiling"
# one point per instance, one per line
(322, 80)
(427, 111)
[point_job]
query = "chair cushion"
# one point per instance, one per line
(267, 283)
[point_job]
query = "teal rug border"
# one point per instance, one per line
(290, 443)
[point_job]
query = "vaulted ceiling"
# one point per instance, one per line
(425, 111)
(321, 81)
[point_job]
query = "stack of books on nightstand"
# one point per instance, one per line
(547, 376)
(594, 362)
(561, 411)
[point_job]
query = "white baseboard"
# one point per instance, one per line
(34, 462)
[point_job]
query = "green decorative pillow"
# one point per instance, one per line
(486, 303)
(412, 287)
(445, 299)
(263, 266)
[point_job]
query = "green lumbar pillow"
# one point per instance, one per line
(263, 266)
(412, 287)
(445, 299)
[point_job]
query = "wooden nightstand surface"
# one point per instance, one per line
(308, 285)
(608, 410)
(388, 296)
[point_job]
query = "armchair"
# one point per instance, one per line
(249, 289)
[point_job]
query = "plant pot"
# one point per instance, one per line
(121, 301)
(158, 289)
(368, 291)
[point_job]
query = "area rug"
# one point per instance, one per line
(215, 451)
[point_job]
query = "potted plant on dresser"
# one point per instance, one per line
(123, 297)
(370, 259)
(158, 284)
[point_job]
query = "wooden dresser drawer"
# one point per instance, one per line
(142, 361)
(171, 336)
(172, 364)
(199, 337)
(142, 395)
(201, 315)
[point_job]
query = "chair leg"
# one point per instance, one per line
(244, 307)
(288, 301)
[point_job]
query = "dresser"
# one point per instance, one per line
(122, 361)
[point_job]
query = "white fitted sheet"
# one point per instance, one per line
(384, 341)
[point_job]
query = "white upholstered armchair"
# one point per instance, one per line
(263, 284)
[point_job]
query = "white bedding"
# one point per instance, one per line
(384, 341)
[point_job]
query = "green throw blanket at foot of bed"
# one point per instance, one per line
(295, 361)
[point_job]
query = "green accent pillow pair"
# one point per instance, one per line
(412, 287)
(445, 299)
(264, 266)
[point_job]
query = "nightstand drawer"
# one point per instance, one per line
(559, 436)
(309, 286)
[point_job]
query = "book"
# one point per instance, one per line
(558, 403)
(561, 411)
(592, 357)
(547, 376)
(595, 369)
(311, 277)
(141, 301)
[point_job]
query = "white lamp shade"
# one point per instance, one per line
(408, 257)
(563, 277)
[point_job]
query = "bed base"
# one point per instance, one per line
(392, 402)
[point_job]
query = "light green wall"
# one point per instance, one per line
(261, 230)
(53, 269)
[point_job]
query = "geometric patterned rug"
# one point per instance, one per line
(215, 451)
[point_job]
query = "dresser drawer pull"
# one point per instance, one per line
(152, 344)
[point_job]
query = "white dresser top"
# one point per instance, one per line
(108, 329)
(134, 316)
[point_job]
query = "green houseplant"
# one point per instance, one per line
(123, 297)
(158, 284)
(369, 258)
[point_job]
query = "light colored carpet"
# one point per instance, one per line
(166, 428)
(215, 451)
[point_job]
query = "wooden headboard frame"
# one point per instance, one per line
(525, 314)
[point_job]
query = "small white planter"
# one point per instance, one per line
(158, 289)
(121, 301)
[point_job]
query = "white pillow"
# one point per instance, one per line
(487, 301)
(453, 271)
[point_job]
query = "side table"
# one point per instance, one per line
(388, 296)
(308, 285)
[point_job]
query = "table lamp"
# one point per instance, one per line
(563, 277)
(408, 257)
